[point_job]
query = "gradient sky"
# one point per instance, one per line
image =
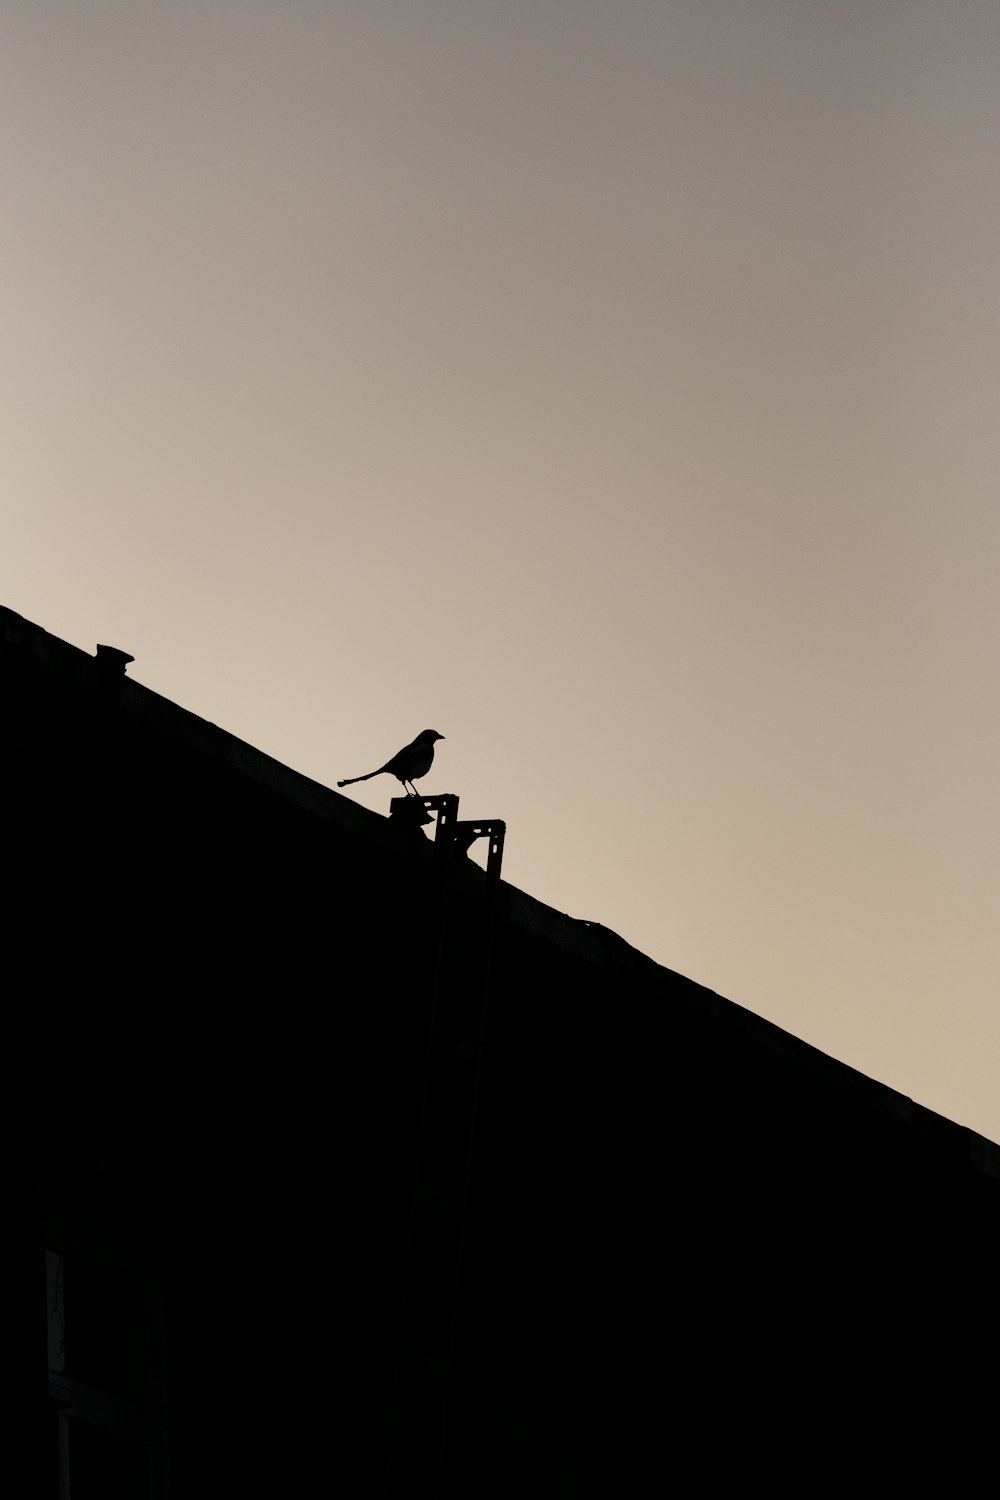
(613, 388)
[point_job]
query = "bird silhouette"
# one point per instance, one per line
(407, 764)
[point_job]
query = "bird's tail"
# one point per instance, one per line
(352, 779)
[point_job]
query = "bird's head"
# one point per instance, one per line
(428, 736)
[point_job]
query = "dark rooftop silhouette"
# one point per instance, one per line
(335, 1164)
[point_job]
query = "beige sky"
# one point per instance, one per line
(612, 388)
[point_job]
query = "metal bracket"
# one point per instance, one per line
(465, 834)
(450, 833)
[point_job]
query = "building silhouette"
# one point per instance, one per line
(334, 1165)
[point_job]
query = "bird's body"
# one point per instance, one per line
(413, 761)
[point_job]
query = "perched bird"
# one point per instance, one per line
(407, 764)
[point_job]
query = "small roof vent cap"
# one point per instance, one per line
(112, 660)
